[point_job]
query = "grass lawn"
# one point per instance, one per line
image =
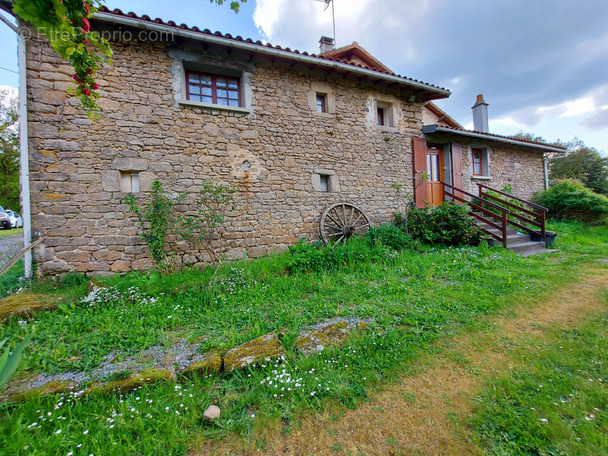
(558, 403)
(412, 297)
(7, 233)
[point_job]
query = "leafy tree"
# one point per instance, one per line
(66, 24)
(585, 164)
(9, 151)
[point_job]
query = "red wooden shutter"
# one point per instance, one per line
(457, 167)
(421, 191)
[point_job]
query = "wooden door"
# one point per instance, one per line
(434, 170)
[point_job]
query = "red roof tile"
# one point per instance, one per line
(146, 18)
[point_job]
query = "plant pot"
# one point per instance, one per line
(550, 235)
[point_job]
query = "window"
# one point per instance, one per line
(381, 116)
(129, 182)
(213, 89)
(433, 167)
(321, 102)
(324, 181)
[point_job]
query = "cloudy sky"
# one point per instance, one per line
(542, 65)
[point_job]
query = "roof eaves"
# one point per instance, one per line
(430, 129)
(131, 19)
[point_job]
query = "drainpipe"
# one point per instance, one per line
(24, 155)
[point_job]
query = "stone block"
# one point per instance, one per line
(263, 348)
(129, 164)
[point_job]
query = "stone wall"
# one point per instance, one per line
(521, 168)
(270, 154)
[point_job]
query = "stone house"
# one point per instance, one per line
(294, 132)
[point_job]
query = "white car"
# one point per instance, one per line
(16, 220)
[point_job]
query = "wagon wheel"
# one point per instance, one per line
(341, 221)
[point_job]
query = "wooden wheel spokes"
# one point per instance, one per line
(341, 221)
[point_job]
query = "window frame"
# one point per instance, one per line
(129, 182)
(381, 116)
(214, 88)
(322, 97)
(475, 161)
(325, 183)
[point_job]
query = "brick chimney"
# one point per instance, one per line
(327, 44)
(480, 115)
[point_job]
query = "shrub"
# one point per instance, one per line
(448, 224)
(318, 257)
(569, 199)
(390, 236)
(155, 220)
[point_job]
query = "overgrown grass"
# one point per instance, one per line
(557, 404)
(412, 296)
(10, 281)
(577, 237)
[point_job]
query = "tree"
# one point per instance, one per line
(585, 164)
(66, 24)
(9, 151)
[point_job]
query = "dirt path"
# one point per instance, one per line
(421, 415)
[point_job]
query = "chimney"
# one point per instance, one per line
(480, 115)
(327, 44)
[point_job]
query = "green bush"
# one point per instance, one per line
(318, 257)
(448, 224)
(569, 199)
(390, 236)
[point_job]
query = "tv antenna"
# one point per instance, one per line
(333, 13)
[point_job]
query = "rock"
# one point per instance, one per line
(264, 347)
(94, 285)
(21, 391)
(333, 333)
(212, 413)
(209, 363)
(25, 303)
(133, 381)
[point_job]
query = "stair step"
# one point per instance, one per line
(527, 248)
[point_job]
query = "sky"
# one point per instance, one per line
(542, 65)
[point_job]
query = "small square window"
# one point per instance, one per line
(321, 102)
(324, 183)
(129, 182)
(381, 116)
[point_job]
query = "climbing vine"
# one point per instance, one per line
(66, 23)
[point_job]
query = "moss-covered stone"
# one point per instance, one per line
(55, 387)
(210, 363)
(323, 336)
(21, 392)
(26, 303)
(260, 349)
(132, 382)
